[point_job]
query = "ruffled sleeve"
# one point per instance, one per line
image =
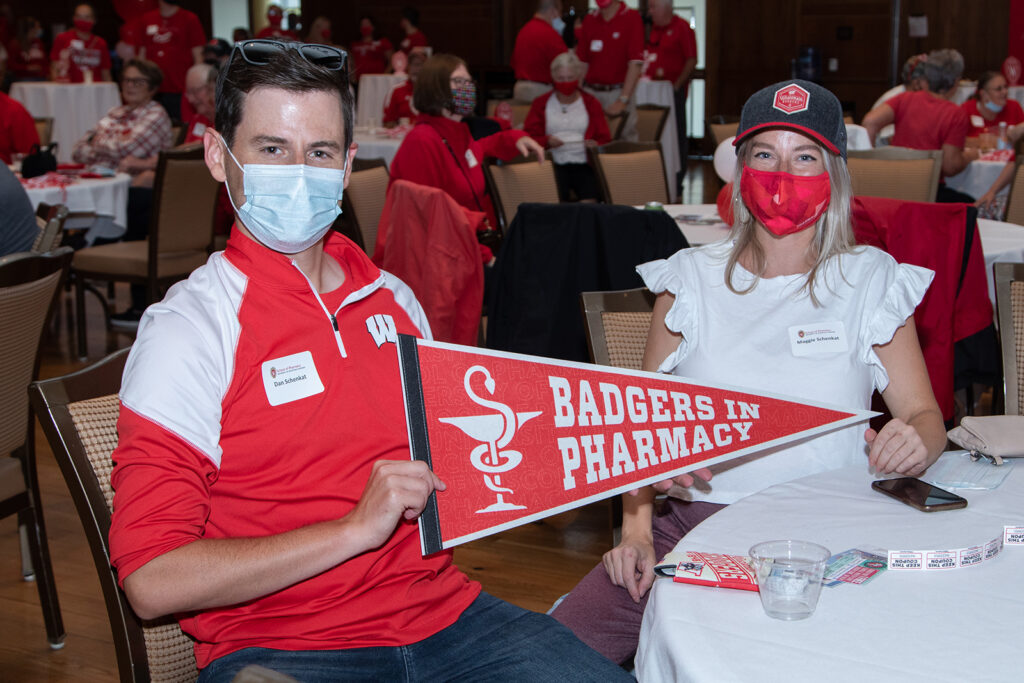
(667, 275)
(903, 293)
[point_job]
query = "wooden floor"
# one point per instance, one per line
(530, 566)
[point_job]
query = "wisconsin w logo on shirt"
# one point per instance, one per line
(382, 328)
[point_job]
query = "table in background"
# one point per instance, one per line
(74, 107)
(954, 625)
(374, 146)
(373, 91)
(105, 197)
(660, 93)
(977, 178)
(1000, 242)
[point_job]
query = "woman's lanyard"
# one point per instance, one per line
(466, 175)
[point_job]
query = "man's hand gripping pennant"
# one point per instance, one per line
(518, 438)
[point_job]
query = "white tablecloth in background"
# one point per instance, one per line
(1000, 242)
(373, 90)
(660, 93)
(977, 178)
(106, 197)
(373, 146)
(74, 107)
(907, 626)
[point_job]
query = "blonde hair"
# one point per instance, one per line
(567, 60)
(833, 233)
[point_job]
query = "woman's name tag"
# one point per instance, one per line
(818, 338)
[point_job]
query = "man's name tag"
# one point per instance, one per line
(290, 378)
(152, 29)
(77, 44)
(818, 338)
(977, 121)
(596, 45)
(470, 158)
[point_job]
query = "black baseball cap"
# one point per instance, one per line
(798, 105)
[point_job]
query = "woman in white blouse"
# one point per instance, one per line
(565, 121)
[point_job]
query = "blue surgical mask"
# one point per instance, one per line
(288, 207)
(993, 107)
(558, 25)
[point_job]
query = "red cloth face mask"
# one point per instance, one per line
(366, 31)
(566, 87)
(782, 202)
(603, 3)
(84, 25)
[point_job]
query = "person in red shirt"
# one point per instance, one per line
(440, 152)
(990, 106)
(672, 56)
(398, 104)
(320, 31)
(370, 54)
(27, 58)
(927, 119)
(539, 41)
(173, 39)
(567, 121)
(17, 129)
(274, 31)
(612, 45)
(410, 25)
(78, 54)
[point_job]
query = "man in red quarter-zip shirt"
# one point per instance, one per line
(264, 490)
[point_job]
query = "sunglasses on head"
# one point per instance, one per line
(259, 53)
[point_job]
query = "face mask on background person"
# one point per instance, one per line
(464, 99)
(993, 107)
(782, 202)
(84, 25)
(566, 87)
(288, 207)
(366, 31)
(558, 25)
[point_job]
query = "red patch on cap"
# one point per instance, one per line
(791, 99)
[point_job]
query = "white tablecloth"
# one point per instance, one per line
(373, 90)
(373, 146)
(106, 197)
(74, 108)
(954, 625)
(1000, 242)
(977, 178)
(660, 93)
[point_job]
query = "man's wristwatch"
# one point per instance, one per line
(624, 99)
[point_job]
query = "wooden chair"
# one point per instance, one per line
(895, 173)
(617, 324)
(1009, 283)
(180, 236)
(615, 125)
(51, 228)
(78, 413)
(365, 197)
(630, 173)
(178, 132)
(44, 128)
(650, 122)
(1015, 201)
(29, 285)
(521, 180)
(723, 131)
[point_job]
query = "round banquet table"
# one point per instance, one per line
(937, 625)
(74, 107)
(373, 90)
(977, 177)
(661, 94)
(1000, 242)
(105, 197)
(377, 145)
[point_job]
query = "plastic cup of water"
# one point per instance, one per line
(789, 577)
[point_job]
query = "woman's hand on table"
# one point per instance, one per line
(527, 146)
(985, 200)
(898, 448)
(630, 564)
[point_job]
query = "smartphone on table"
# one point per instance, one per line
(919, 494)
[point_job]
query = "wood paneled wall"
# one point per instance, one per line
(750, 43)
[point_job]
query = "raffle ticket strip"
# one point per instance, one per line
(955, 558)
